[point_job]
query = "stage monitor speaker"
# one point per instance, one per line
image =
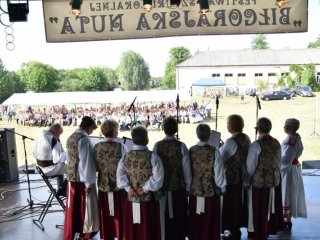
(314, 164)
(8, 156)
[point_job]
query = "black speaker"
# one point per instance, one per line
(8, 156)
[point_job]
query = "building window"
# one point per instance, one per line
(272, 74)
(241, 74)
(318, 77)
(228, 75)
(284, 74)
(258, 74)
(215, 74)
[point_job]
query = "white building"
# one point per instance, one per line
(243, 68)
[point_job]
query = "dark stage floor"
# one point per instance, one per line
(18, 224)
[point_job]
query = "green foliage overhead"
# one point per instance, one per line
(176, 55)
(133, 72)
(39, 77)
(260, 42)
(315, 44)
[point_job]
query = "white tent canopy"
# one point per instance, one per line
(60, 98)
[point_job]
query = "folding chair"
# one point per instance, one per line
(53, 194)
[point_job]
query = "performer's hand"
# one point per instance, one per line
(223, 193)
(221, 143)
(140, 191)
(87, 190)
(132, 193)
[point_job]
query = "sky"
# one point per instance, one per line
(30, 44)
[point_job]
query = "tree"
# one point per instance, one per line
(262, 85)
(155, 82)
(39, 77)
(309, 77)
(95, 79)
(112, 77)
(260, 42)
(281, 81)
(70, 80)
(294, 76)
(176, 56)
(9, 83)
(133, 72)
(315, 44)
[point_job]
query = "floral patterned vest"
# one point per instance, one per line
(73, 165)
(202, 159)
(139, 169)
(170, 153)
(236, 164)
(267, 173)
(107, 156)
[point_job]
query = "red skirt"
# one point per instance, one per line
(148, 229)
(75, 212)
(176, 227)
(260, 201)
(111, 226)
(204, 226)
(235, 210)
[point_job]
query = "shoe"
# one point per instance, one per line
(288, 226)
(226, 235)
(62, 192)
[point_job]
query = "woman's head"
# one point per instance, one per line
(203, 132)
(109, 128)
(264, 125)
(235, 123)
(139, 136)
(88, 124)
(170, 126)
(291, 125)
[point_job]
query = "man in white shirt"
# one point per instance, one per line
(50, 155)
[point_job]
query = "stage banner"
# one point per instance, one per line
(125, 19)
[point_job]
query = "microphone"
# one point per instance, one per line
(177, 101)
(258, 102)
(217, 101)
(132, 104)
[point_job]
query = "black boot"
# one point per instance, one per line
(62, 186)
(288, 226)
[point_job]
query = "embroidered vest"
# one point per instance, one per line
(73, 165)
(107, 156)
(267, 173)
(170, 153)
(202, 161)
(236, 164)
(139, 169)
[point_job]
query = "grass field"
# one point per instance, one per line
(277, 111)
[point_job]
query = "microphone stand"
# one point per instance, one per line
(217, 106)
(177, 107)
(30, 201)
(258, 106)
(134, 112)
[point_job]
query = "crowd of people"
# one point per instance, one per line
(149, 114)
(172, 192)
